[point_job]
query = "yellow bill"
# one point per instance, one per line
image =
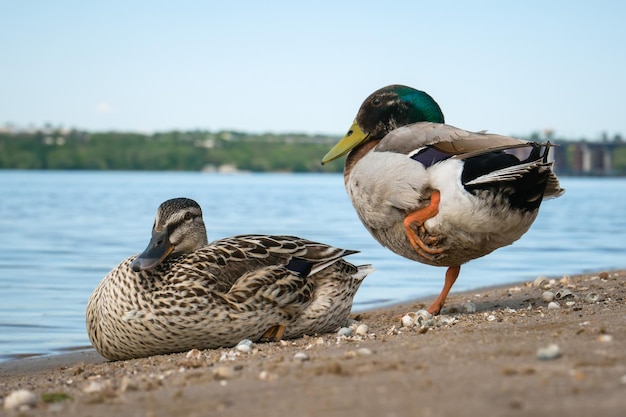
(353, 138)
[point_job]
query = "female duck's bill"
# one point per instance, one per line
(158, 249)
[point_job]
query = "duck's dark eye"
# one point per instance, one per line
(376, 101)
(188, 216)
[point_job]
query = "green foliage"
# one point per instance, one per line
(619, 161)
(202, 150)
(55, 397)
(179, 151)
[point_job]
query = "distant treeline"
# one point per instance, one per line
(229, 151)
(176, 151)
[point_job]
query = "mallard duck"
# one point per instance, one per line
(183, 293)
(434, 193)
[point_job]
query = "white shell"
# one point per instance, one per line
(223, 372)
(563, 293)
(552, 351)
(362, 329)
(409, 320)
(19, 400)
(553, 305)
(364, 351)
(422, 316)
(193, 354)
(244, 346)
(301, 356)
(547, 296)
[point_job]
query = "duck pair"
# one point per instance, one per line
(426, 190)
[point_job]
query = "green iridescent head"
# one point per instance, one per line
(383, 111)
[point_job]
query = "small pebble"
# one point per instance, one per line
(223, 372)
(553, 305)
(127, 384)
(491, 317)
(605, 338)
(93, 387)
(345, 331)
(540, 282)
(552, 351)
(267, 376)
(301, 356)
(21, 400)
(193, 354)
(362, 329)
(547, 296)
(364, 351)
(445, 321)
(469, 307)
(592, 298)
(245, 342)
(243, 348)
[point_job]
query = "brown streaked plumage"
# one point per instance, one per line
(183, 293)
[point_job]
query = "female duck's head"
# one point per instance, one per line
(178, 229)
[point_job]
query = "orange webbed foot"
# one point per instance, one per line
(426, 245)
(273, 334)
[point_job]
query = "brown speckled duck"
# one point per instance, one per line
(182, 293)
(434, 193)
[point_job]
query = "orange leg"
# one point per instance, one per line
(417, 218)
(451, 275)
(274, 334)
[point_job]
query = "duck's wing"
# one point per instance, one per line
(230, 258)
(281, 269)
(447, 139)
(536, 162)
(430, 143)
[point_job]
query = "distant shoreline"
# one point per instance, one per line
(231, 151)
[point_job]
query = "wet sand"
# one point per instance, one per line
(463, 363)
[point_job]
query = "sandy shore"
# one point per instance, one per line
(463, 363)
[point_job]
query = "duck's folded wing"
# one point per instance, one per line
(515, 172)
(446, 138)
(510, 173)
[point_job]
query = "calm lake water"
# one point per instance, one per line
(61, 232)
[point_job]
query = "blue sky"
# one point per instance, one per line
(273, 66)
